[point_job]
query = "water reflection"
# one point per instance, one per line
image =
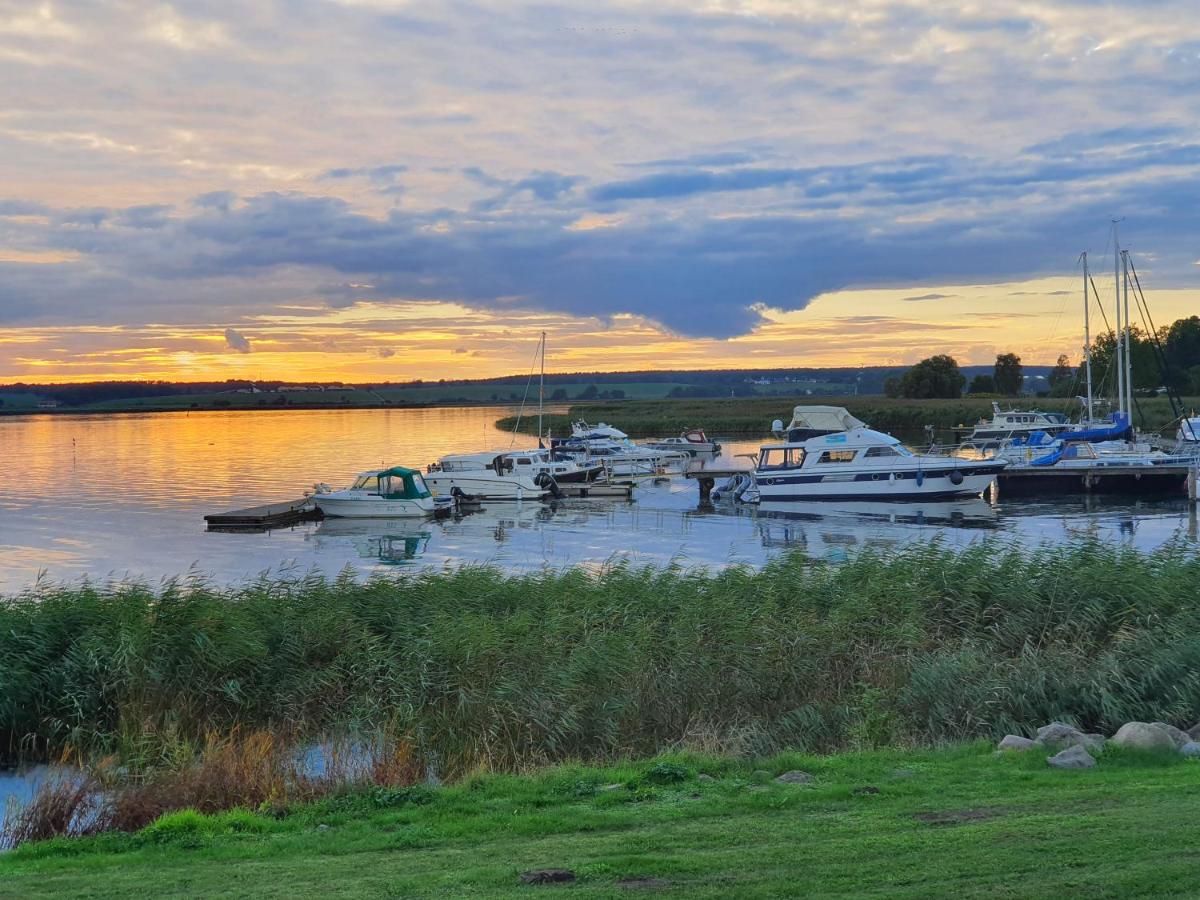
(121, 496)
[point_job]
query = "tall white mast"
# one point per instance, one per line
(1120, 353)
(1128, 353)
(541, 386)
(1087, 341)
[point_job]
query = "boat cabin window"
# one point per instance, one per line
(781, 458)
(367, 483)
(873, 452)
(838, 456)
(523, 461)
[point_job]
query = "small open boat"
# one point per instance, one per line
(383, 493)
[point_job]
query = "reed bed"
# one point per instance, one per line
(752, 416)
(475, 669)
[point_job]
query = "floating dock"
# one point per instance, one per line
(585, 491)
(267, 516)
(1051, 480)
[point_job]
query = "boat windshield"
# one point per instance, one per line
(781, 458)
(366, 483)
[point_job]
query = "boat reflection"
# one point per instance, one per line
(393, 542)
(832, 530)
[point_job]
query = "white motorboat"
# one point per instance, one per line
(1007, 424)
(582, 431)
(691, 442)
(863, 464)
(383, 493)
(491, 475)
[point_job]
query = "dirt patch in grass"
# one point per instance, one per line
(960, 816)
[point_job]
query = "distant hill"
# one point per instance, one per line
(560, 387)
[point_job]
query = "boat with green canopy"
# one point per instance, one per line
(384, 493)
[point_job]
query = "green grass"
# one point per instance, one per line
(477, 668)
(752, 416)
(959, 822)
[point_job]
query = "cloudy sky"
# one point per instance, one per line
(382, 189)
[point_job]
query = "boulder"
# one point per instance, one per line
(1058, 735)
(1143, 736)
(1074, 757)
(1178, 735)
(1194, 732)
(795, 777)
(703, 777)
(1191, 748)
(1016, 742)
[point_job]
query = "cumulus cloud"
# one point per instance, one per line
(741, 159)
(236, 341)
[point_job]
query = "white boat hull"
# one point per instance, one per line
(926, 483)
(477, 484)
(372, 507)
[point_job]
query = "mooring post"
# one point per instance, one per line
(1193, 477)
(706, 486)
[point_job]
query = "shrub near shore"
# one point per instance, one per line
(474, 669)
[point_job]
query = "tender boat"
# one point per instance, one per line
(863, 464)
(691, 442)
(383, 493)
(491, 475)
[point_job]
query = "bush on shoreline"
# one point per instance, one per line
(475, 669)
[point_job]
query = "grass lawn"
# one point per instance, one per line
(961, 822)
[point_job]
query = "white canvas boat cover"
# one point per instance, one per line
(824, 418)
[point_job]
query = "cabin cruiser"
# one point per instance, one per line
(562, 470)
(691, 442)
(1007, 424)
(863, 464)
(620, 456)
(383, 493)
(582, 431)
(491, 475)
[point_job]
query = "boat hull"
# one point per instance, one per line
(474, 485)
(932, 483)
(373, 507)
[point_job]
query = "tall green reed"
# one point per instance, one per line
(477, 668)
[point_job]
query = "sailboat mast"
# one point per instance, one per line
(1128, 353)
(1120, 357)
(541, 387)
(1087, 341)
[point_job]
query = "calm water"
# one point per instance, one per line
(118, 496)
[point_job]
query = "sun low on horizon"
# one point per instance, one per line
(382, 191)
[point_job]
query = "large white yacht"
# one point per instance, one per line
(863, 464)
(492, 475)
(387, 493)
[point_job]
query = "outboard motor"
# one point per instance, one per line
(550, 483)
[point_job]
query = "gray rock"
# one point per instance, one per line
(795, 777)
(1058, 735)
(1143, 736)
(1178, 735)
(703, 777)
(608, 788)
(1194, 732)
(322, 827)
(1191, 748)
(1074, 757)
(1016, 742)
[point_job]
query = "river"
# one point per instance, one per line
(123, 496)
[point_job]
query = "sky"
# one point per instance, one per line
(386, 190)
